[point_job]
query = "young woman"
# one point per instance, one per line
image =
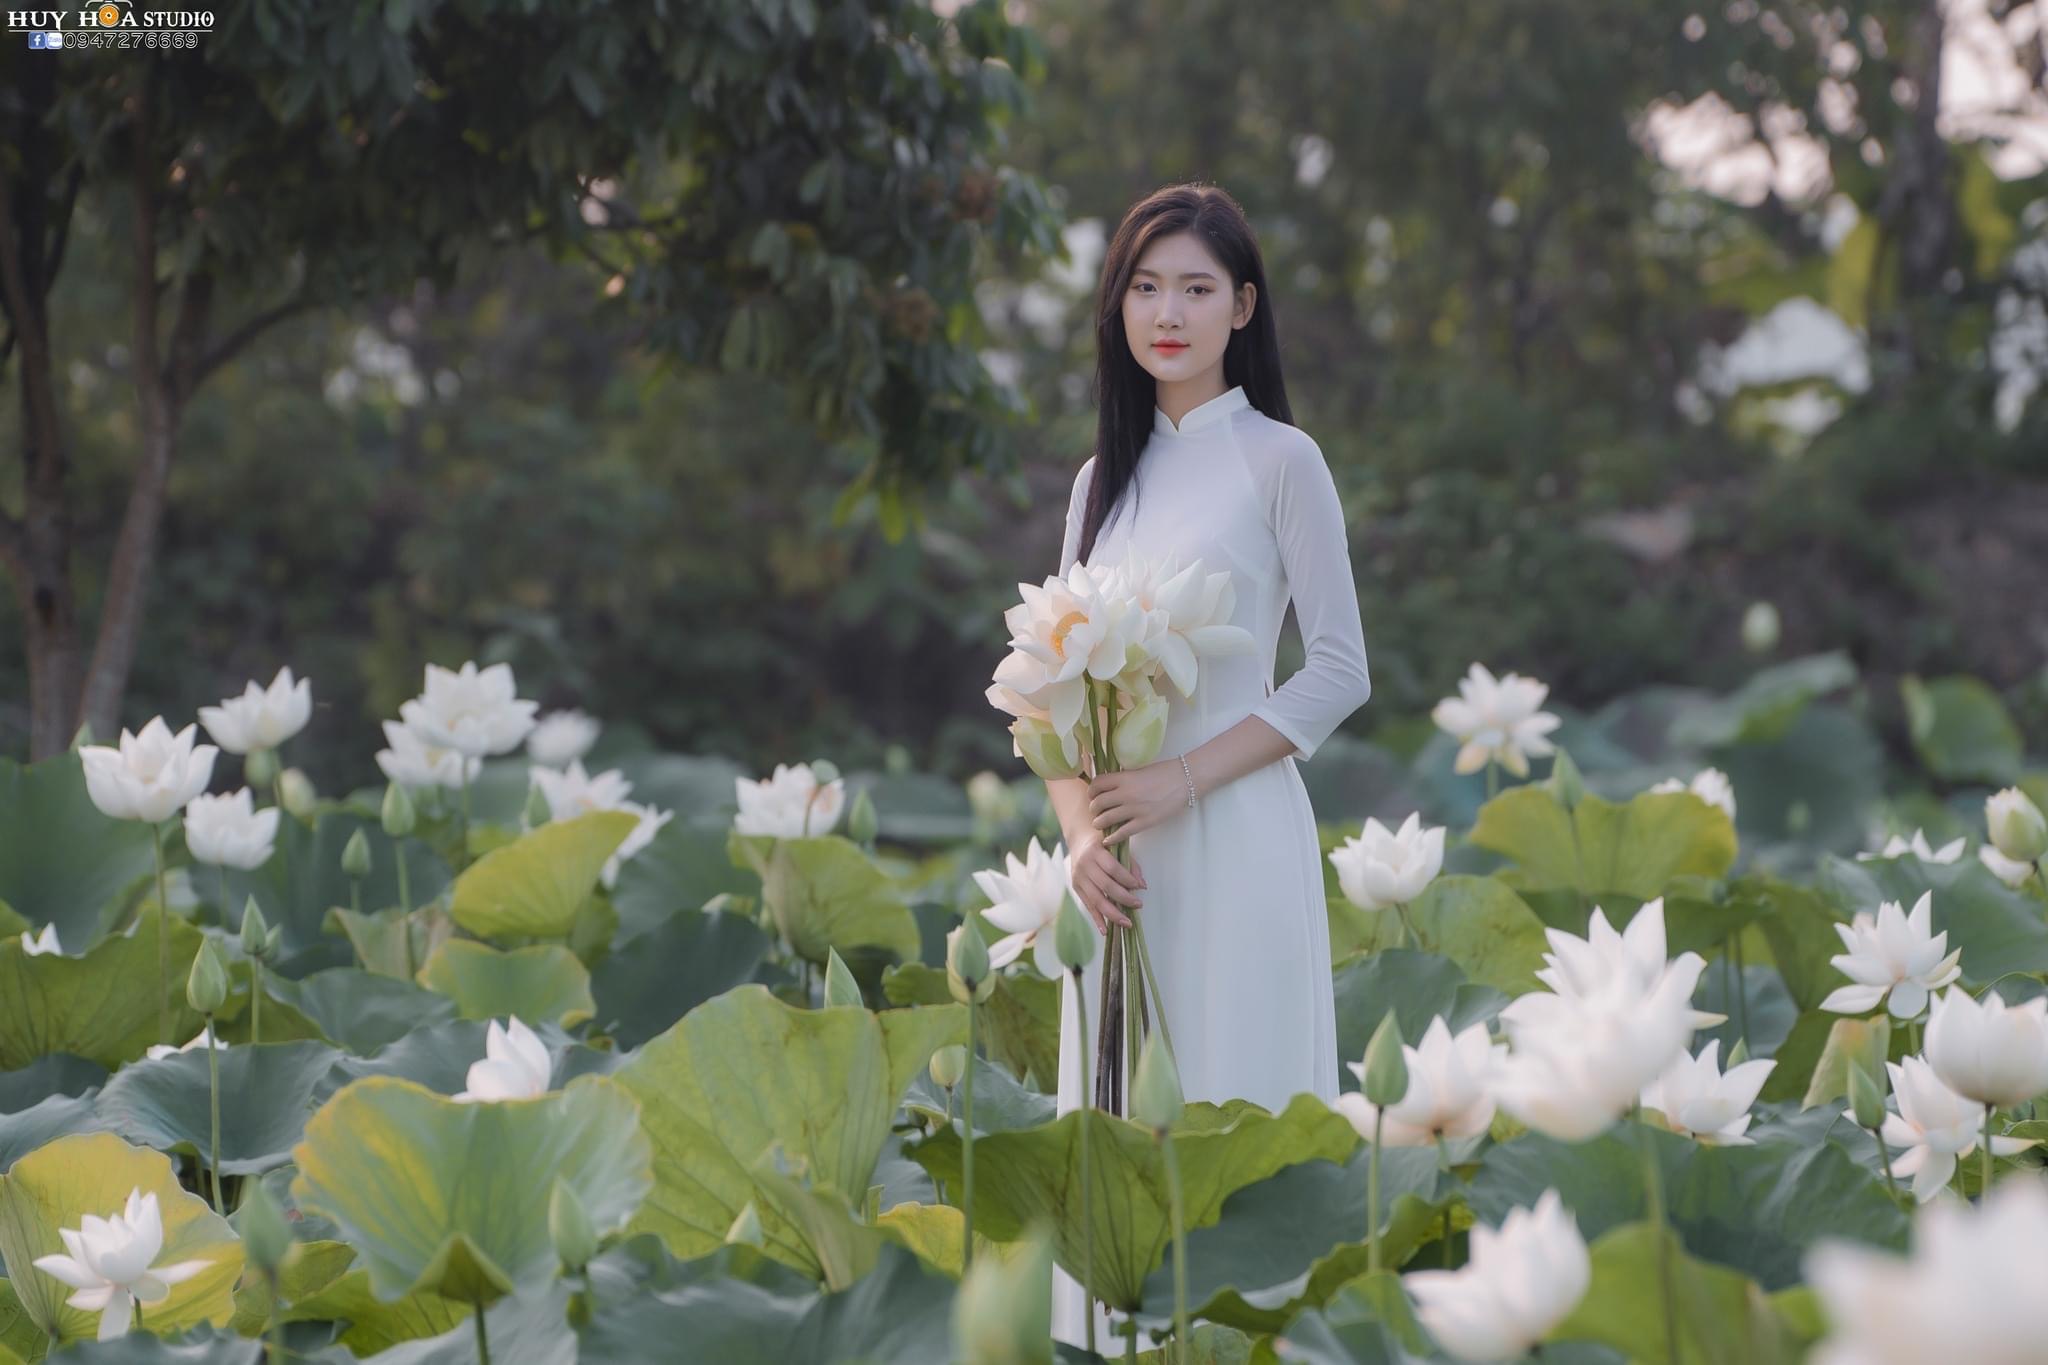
(1196, 455)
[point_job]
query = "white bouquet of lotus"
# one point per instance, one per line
(1090, 657)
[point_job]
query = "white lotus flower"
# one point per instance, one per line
(1918, 846)
(1969, 1292)
(1447, 1095)
(149, 776)
(1986, 1050)
(1062, 633)
(1698, 1099)
(573, 792)
(2007, 870)
(1936, 1126)
(109, 1263)
(1497, 720)
(36, 944)
(1377, 868)
(261, 718)
(790, 804)
(637, 838)
(1710, 785)
(1893, 954)
(1518, 1283)
(1582, 967)
(205, 1038)
(1187, 612)
(515, 1065)
(412, 761)
(228, 831)
(2016, 825)
(560, 737)
(1024, 900)
(473, 712)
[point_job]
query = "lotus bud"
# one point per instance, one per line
(1386, 1069)
(949, 1064)
(398, 813)
(569, 1227)
(1002, 1314)
(355, 856)
(1866, 1101)
(1073, 938)
(861, 824)
(297, 793)
(967, 974)
(824, 771)
(1140, 732)
(266, 1236)
(537, 812)
(259, 768)
(2017, 829)
(746, 1228)
(255, 932)
(896, 761)
(274, 942)
(1566, 783)
(1760, 628)
(206, 989)
(1049, 753)
(840, 987)
(1156, 1100)
(991, 798)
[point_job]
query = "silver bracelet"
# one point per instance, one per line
(1190, 778)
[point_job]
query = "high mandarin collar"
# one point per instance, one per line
(1202, 414)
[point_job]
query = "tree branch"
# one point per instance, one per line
(234, 341)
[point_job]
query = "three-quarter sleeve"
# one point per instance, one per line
(1308, 524)
(1077, 512)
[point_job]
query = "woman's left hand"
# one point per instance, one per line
(1136, 800)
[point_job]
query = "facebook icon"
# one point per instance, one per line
(36, 39)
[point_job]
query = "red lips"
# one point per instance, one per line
(1169, 345)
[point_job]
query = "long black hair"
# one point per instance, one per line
(1125, 391)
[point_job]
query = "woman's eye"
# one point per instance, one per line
(1203, 288)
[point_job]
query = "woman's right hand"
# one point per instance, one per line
(1103, 884)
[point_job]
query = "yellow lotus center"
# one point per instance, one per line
(1061, 627)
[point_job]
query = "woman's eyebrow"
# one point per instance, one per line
(1185, 274)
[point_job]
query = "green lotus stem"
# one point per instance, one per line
(1372, 1195)
(1180, 1249)
(1087, 1220)
(1653, 1192)
(1884, 1156)
(283, 856)
(1447, 1237)
(967, 1149)
(274, 1334)
(1413, 939)
(1152, 985)
(404, 890)
(223, 870)
(1492, 779)
(163, 943)
(462, 854)
(1912, 1037)
(1443, 1161)
(213, 1077)
(1134, 1001)
(255, 1000)
(483, 1340)
(1985, 1194)
(355, 894)
(1741, 991)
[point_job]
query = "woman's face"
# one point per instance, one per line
(1180, 295)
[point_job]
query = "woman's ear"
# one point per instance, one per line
(1247, 300)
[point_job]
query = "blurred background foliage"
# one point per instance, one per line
(1526, 340)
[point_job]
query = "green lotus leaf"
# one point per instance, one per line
(376, 1324)
(1367, 1321)
(1477, 922)
(1633, 848)
(309, 1268)
(59, 1073)
(1754, 1208)
(391, 942)
(92, 1173)
(24, 1130)
(1019, 1176)
(1765, 706)
(898, 1311)
(743, 1071)
(533, 886)
(681, 869)
(541, 984)
(266, 1092)
(303, 880)
(1961, 730)
(62, 861)
(357, 1010)
(1020, 1021)
(452, 1198)
(1417, 987)
(1001, 1105)
(650, 982)
(825, 893)
(1721, 1314)
(102, 1006)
